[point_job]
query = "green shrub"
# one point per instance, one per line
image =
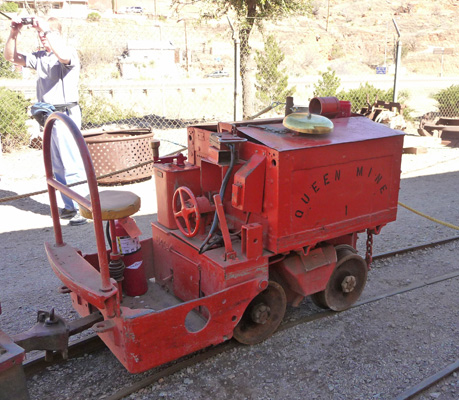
(405, 51)
(9, 7)
(448, 101)
(366, 92)
(328, 84)
(6, 68)
(13, 117)
(97, 111)
(358, 97)
(336, 51)
(93, 17)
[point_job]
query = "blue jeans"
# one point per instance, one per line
(65, 157)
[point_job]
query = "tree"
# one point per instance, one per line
(271, 83)
(248, 14)
(328, 84)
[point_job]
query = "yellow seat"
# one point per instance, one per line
(115, 204)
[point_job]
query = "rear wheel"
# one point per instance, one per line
(346, 283)
(263, 315)
(343, 250)
(319, 299)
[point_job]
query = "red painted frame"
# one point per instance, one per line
(292, 198)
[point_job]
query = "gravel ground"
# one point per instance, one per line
(375, 351)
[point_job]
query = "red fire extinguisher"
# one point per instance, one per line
(135, 281)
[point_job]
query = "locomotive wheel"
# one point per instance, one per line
(263, 315)
(186, 213)
(342, 250)
(319, 299)
(346, 283)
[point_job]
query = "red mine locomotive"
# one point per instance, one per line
(259, 215)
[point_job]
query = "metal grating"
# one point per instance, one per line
(116, 150)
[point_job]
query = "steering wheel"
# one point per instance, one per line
(186, 213)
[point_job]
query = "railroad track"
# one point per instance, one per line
(92, 343)
(415, 248)
(224, 347)
(428, 382)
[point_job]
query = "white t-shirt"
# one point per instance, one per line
(57, 83)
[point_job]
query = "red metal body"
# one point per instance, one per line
(253, 204)
(12, 377)
(135, 281)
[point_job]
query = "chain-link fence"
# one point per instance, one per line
(166, 76)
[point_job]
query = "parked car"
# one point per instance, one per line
(218, 74)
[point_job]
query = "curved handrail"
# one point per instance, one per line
(93, 204)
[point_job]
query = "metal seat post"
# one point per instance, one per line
(93, 204)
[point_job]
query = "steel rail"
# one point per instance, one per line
(415, 248)
(80, 347)
(428, 382)
(77, 348)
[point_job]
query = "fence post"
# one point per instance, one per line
(398, 59)
(237, 71)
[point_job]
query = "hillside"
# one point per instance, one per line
(361, 35)
(350, 37)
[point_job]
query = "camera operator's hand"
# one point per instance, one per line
(41, 25)
(16, 25)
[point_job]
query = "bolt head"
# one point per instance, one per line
(261, 313)
(348, 284)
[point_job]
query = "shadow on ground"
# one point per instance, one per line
(25, 204)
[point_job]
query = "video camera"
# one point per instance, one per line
(27, 20)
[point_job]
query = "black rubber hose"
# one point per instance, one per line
(221, 193)
(107, 233)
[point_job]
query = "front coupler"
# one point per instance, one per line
(51, 334)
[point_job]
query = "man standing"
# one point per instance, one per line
(58, 69)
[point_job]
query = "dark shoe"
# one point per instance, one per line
(67, 214)
(78, 220)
